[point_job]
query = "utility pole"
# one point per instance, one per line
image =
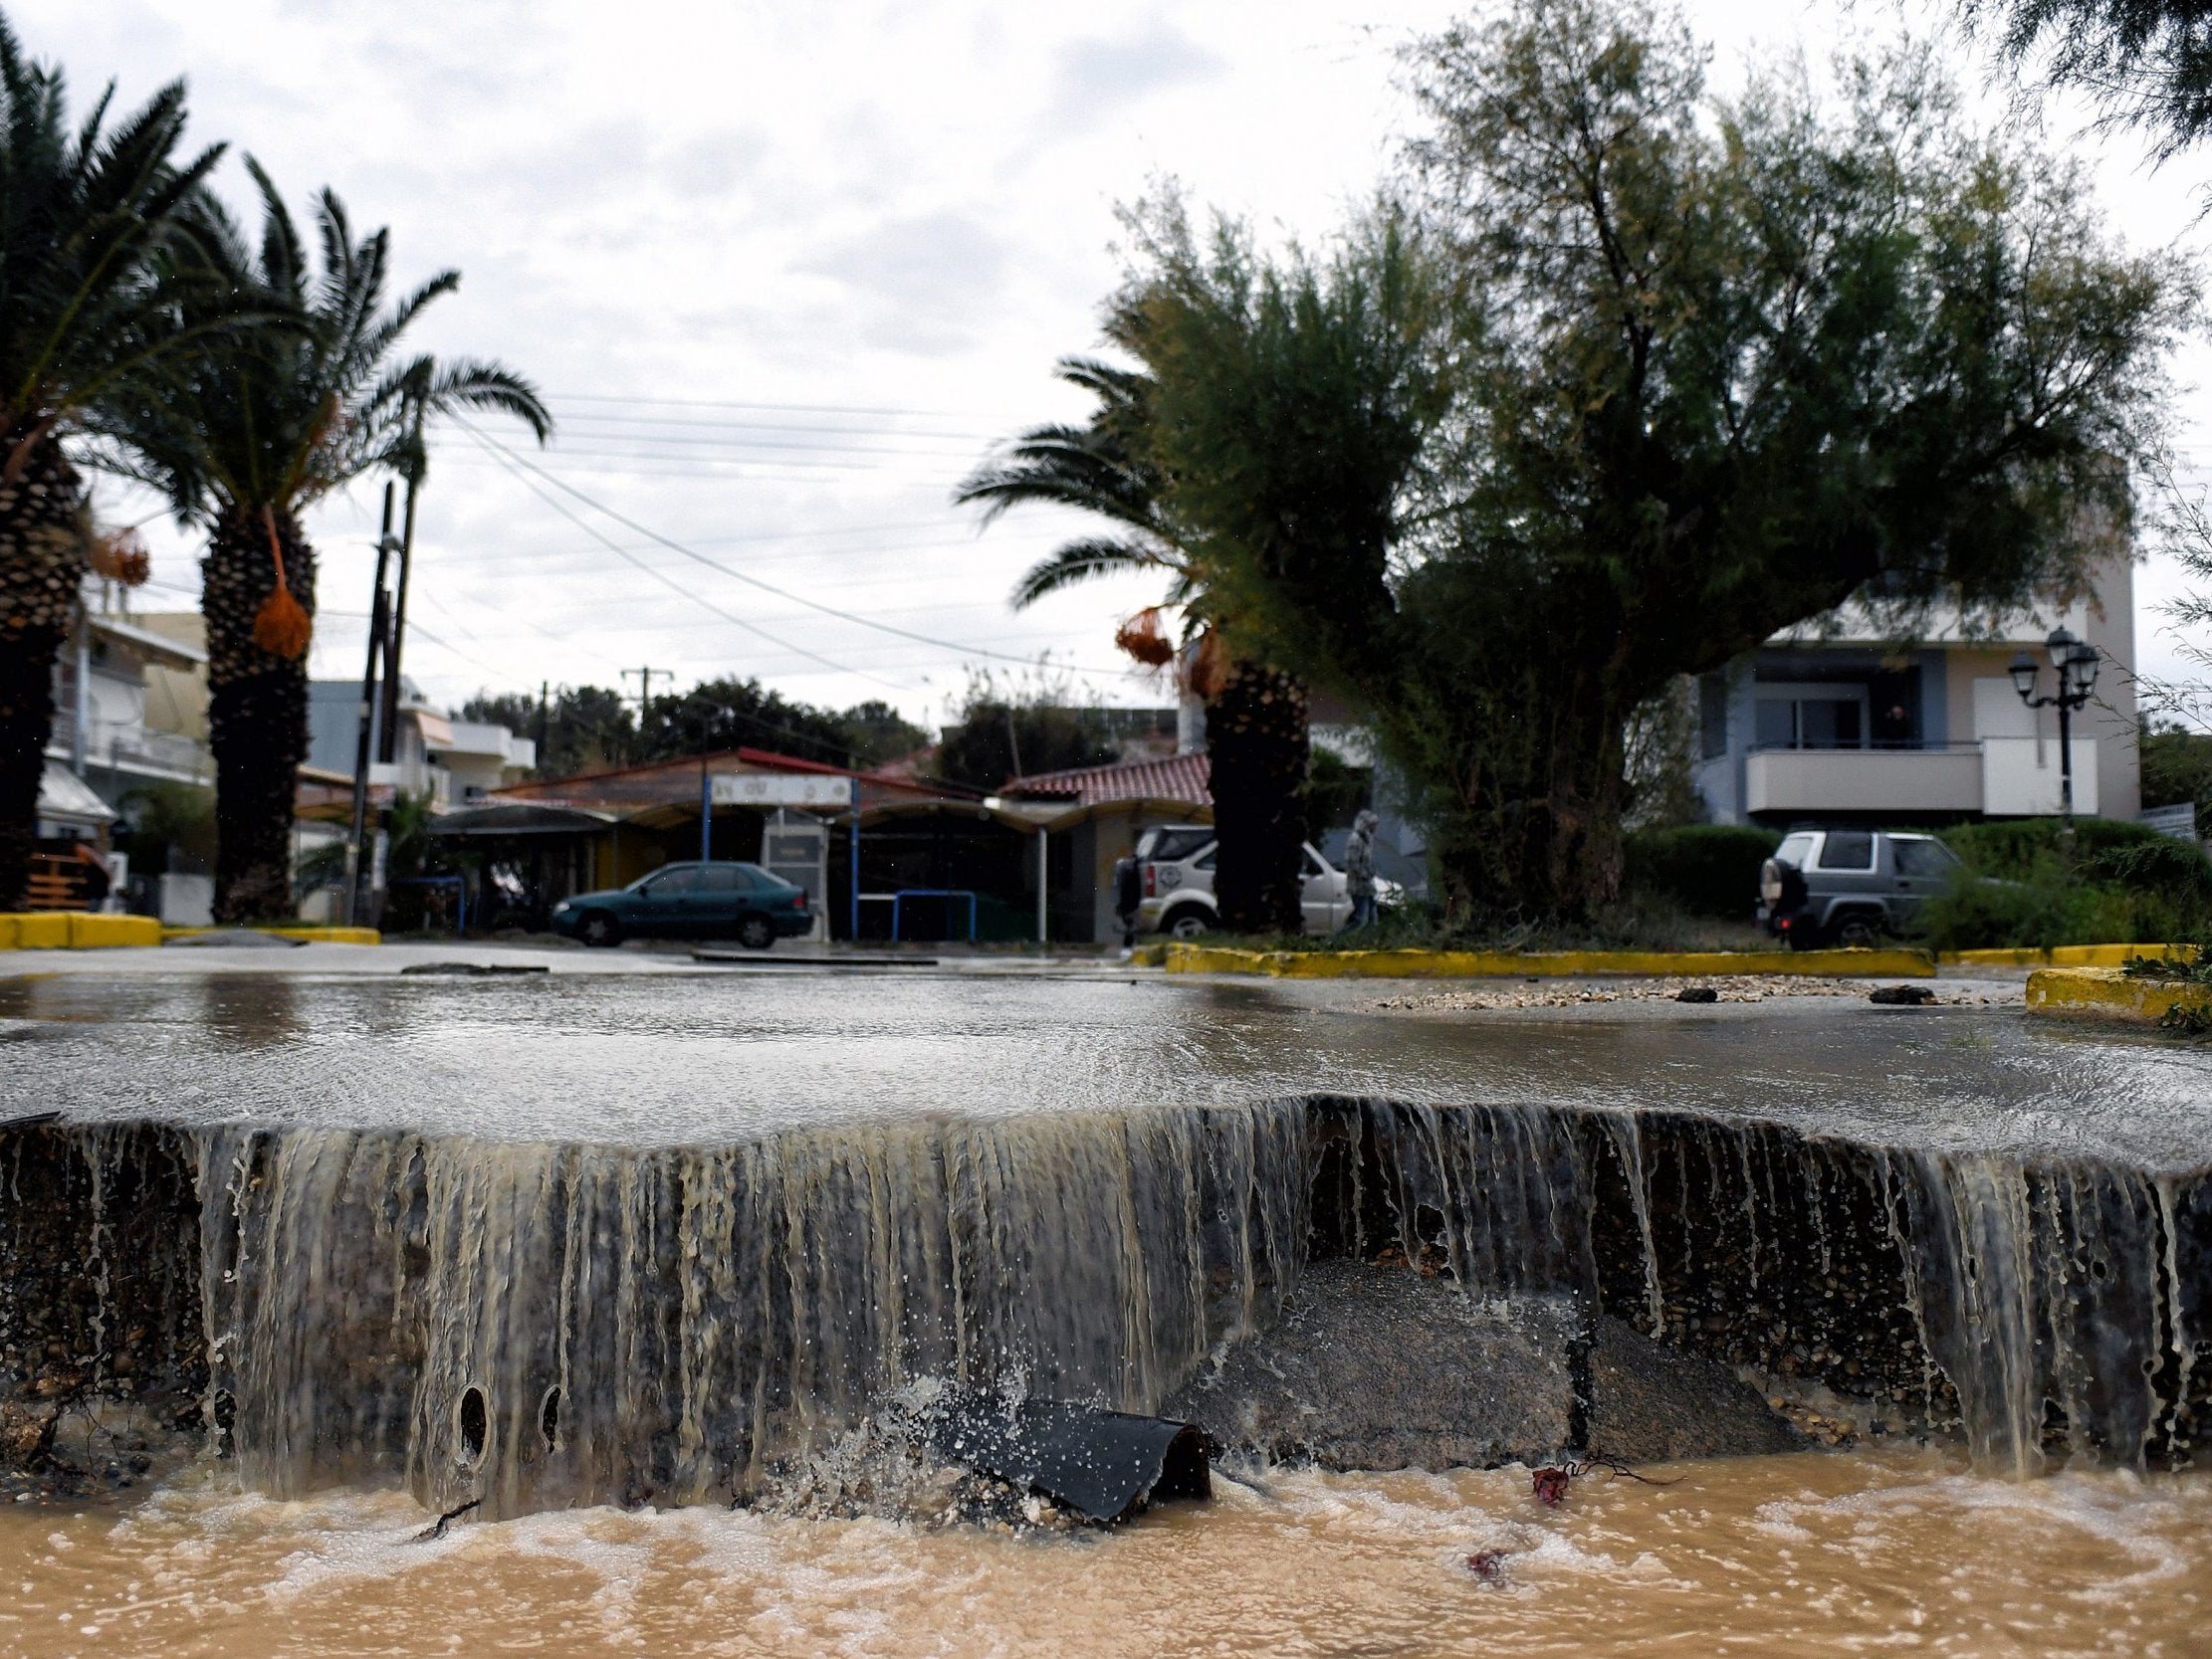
(364, 745)
(386, 743)
(645, 685)
(544, 723)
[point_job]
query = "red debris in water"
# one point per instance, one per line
(1488, 1564)
(1549, 1485)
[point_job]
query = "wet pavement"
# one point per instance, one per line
(649, 1049)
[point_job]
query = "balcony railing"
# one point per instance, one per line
(1997, 776)
(125, 745)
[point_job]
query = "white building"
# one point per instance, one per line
(1838, 720)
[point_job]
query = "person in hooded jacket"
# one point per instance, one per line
(1359, 870)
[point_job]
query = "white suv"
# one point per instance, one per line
(1175, 874)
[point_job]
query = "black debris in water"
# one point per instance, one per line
(437, 1528)
(1697, 993)
(1105, 1466)
(477, 970)
(1902, 996)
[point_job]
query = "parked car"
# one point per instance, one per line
(1175, 868)
(1850, 885)
(695, 900)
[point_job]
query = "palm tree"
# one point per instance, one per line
(91, 216)
(262, 427)
(1255, 714)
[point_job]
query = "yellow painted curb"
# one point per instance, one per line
(1546, 964)
(75, 930)
(2065, 955)
(1148, 956)
(2111, 993)
(313, 935)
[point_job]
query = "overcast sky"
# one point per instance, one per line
(784, 272)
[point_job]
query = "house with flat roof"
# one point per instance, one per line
(1839, 720)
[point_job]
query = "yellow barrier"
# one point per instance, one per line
(2108, 992)
(313, 935)
(2065, 955)
(75, 930)
(1546, 964)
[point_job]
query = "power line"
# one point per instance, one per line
(594, 533)
(518, 462)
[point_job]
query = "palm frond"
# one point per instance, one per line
(1085, 560)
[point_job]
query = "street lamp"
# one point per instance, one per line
(2075, 664)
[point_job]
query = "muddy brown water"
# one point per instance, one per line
(1805, 1555)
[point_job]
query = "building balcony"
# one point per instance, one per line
(1994, 777)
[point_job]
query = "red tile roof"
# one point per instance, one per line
(1180, 777)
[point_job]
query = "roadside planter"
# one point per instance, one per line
(1548, 964)
(75, 930)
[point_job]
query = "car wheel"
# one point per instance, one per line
(755, 932)
(598, 927)
(1186, 924)
(1857, 933)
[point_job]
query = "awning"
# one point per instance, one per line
(519, 818)
(65, 798)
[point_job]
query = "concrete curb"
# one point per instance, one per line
(75, 930)
(1545, 965)
(313, 936)
(2110, 994)
(2065, 955)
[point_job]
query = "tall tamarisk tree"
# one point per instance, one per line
(93, 215)
(261, 427)
(1255, 714)
(1708, 370)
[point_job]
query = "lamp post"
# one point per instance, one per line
(2075, 663)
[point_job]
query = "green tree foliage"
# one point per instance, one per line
(95, 246)
(246, 432)
(877, 734)
(2145, 63)
(2119, 884)
(1011, 726)
(729, 713)
(2177, 769)
(1708, 870)
(1658, 376)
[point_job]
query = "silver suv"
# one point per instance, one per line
(1850, 885)
(1175, 873)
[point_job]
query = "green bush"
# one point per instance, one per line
(2124, 885)
(1708, 870)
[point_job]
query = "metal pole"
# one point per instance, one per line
(80, 712)
(2066, 755)
(1044, 866)
(387, 741)
(706, 813)
(364, 739)
(854, 846)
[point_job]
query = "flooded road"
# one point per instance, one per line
(1805, 1555)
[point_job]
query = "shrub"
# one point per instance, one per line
(1709, 870)
(2125, 884)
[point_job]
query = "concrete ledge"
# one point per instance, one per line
(1545, 965)
(2065, 955)
(75, 930)
(313, 935)
(2107, 992)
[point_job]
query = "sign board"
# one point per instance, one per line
(814, 790)
(2180, 823)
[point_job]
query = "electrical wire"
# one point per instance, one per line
(521, 465)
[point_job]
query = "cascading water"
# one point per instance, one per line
(539, 1324)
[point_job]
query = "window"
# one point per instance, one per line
(1170, 845)
(1796, 848)
(1314, 866)
(673, 883)
(1812, 716)
(721, 878)
(1712, 715)
(1847, 850)
(1917, 856)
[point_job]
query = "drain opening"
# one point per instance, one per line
(548, 1418)
(474, 1423)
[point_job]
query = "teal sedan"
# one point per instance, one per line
(719, 900)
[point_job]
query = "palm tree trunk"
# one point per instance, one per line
(257, 714)
(42, 560)
(1255, 738)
